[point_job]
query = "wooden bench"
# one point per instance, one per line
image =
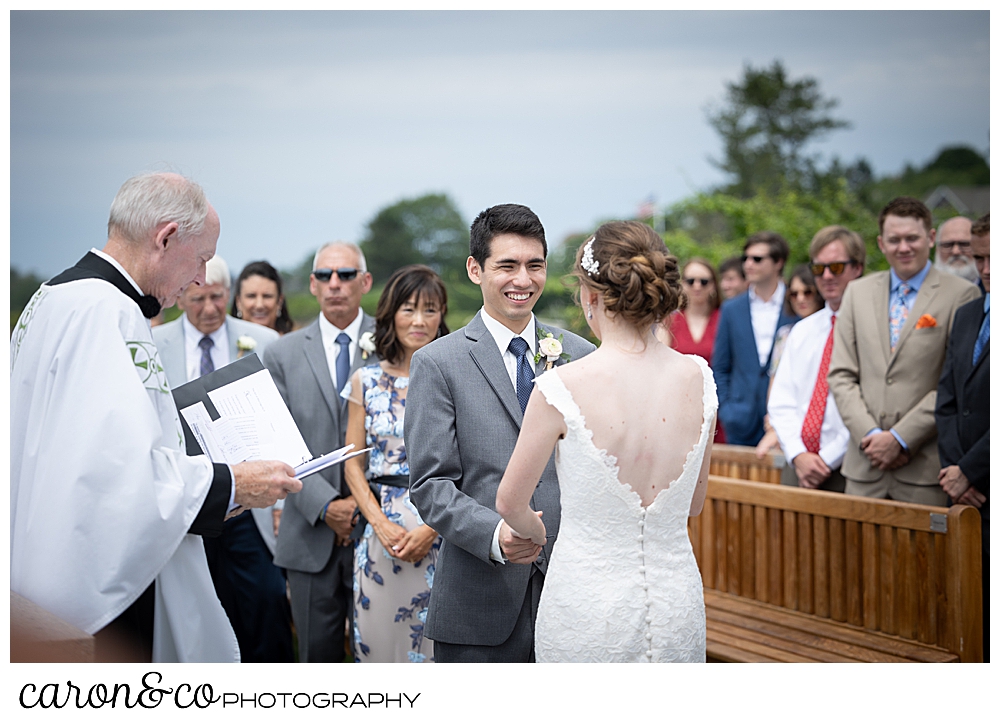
(801, 575)
(38, 636)
(730, 460)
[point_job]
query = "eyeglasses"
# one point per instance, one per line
(699, 282)
(949, 246)
(805, 293)
(836, 268)
(755, 259)
(344, 274)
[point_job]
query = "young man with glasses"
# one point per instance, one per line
(801, 409)
(745, 339)
(310, 368)
(889, 346)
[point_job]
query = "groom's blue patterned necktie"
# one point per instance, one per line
(525, 374)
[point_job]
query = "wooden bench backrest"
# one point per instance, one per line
(909, 570)
(730, 460)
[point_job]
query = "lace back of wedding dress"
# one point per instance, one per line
(623, 584)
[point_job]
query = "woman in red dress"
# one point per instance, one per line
(692, 330)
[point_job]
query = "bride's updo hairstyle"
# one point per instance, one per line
(629, 265)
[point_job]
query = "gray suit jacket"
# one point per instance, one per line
(298, 364)
(461, 425)
(169, 340)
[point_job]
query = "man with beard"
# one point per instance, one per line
(954, 250)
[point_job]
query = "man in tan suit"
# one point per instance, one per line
(889, 347)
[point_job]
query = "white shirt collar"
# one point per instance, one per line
(502, 335)
(777, 298)
(330, 331)
(191, 333)
(114, 262)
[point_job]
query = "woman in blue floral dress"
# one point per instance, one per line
(395, 552)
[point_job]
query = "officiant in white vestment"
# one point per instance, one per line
(107, 510)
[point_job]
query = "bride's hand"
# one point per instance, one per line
(536, 536)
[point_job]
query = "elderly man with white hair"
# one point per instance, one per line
(250, 587)
(107, 511)
(954, 249)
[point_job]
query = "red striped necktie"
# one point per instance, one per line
(813, 423)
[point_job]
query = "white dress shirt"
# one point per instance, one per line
(192, 352)
(792, 391)
(502, 336)
(329, 334)
(764, 317)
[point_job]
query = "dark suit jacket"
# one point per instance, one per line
(298, 365)
(740, 378)
(963, 400)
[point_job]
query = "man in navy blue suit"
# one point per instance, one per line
(741, 359)
(963, 409)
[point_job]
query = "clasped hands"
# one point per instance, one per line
(522, 550)
(884, 451)
(954, 482)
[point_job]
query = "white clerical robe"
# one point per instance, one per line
(102, 492)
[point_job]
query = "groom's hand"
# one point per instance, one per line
(517, 549)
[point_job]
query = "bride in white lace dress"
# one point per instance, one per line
(632, 426)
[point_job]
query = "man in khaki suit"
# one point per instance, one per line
(889, 347)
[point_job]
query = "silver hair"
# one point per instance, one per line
(148, 200)
(217, 272)
(363, 262)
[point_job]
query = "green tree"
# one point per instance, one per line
(765, 124)
(716, 225)
(425, 230)
(22, 287)
(955, 166)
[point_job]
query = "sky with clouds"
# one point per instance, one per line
(302, 125)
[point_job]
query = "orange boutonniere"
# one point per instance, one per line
(926, 322)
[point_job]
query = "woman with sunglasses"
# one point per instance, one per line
(395, 552)
(802, 299)
(692, 329)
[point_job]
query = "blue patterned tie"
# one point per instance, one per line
(525, 374)
(898, 313)
(207, 365)
(343, 360)
(981, 340)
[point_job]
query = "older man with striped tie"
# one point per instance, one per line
(801, 408)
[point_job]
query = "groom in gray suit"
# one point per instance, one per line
(464, 407)
(310, 368)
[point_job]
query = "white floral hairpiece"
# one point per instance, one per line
(588, 262)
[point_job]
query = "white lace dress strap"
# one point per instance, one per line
(557, 395)
(710, 399)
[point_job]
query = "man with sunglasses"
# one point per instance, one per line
(310, 368)
(954, 249)
(745, 338)
(801, 408)
(889, 346)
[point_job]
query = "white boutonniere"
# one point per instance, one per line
(549, 347)
(367, 344)
(244, 344)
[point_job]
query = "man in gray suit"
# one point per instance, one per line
(310, 368)
(250, 588)
(464, 407)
